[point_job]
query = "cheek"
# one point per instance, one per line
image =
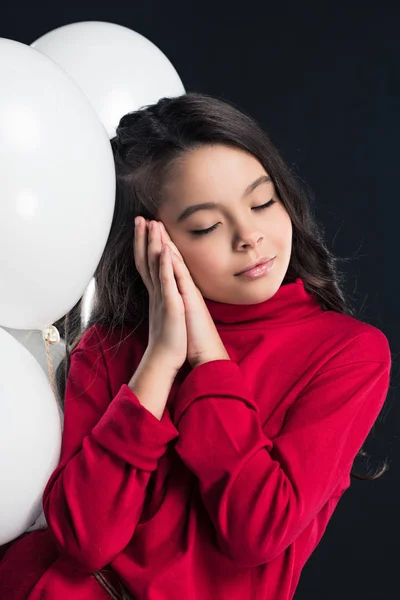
(289, 229)
(201, 261)
(283, 228)
(203, 265)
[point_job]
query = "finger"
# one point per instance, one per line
(182, 274)
(187, 288)
(167, 240)
(154, 252)
(169, 288)
(140, 252)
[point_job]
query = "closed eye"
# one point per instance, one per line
(213, 227)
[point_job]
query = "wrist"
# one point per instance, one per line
(158, 362)
(223, 355)
(152, 383)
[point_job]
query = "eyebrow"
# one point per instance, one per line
(210, 205)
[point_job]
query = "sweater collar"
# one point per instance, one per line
(291, 304)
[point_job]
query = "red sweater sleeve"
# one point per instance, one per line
(261, 494)
(110, 446)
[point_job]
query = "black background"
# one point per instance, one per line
(324, 82)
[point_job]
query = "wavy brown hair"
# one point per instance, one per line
(147, 147)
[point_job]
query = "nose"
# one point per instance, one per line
(250, 238)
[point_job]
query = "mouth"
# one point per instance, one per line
(258, 263)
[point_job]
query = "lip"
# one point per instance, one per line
(263, 260)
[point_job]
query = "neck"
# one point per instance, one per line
(291, 304)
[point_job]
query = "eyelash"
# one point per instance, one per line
(205, 231)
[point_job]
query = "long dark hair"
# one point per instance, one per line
(147, 146)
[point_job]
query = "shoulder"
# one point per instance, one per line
(99, 335)
(356, 341)
(114, 346)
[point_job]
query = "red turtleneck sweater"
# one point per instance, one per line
(228, 495)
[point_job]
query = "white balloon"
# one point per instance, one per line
(118, 69)
(30, 437)
(33, 341)
(57, 182)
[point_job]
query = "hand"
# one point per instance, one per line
(203, 340)
(167, 327)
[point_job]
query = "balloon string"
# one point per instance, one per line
(110, 589)
(50, 369)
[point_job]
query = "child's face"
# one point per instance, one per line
(221, 174)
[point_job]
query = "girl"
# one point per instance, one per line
(213, 409)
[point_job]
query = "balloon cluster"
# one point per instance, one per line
(61, 101)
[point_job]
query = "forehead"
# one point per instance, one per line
(211, 173)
